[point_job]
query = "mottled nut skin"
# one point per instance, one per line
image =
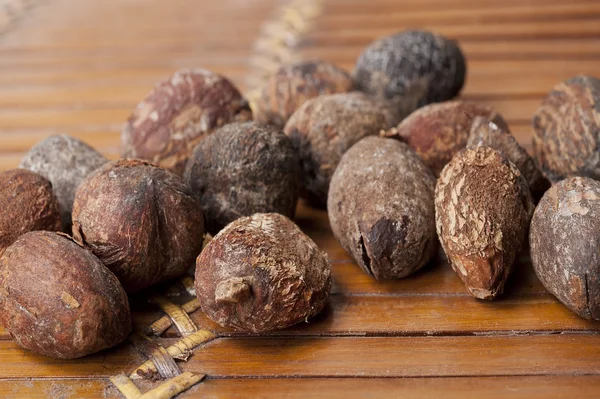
(242, 169)
(57, 299)
(178, 113)
(65, 161)
(323, 129)
(566, 141)
(564, 240)
(438, 131)
(380, 207)
(262, 273)
(292, 85)
(485, 133)
(483, 207)
(27, 204)
(140, 220)
(412, 68)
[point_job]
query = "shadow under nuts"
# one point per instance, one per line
(140, 220)
(262, 273)
(65, 161)
(483, 207)
(243, 169)
(381, 210)
(564, 241)
(179, 112)
(57, 299)
(27, 204)
(324, 128)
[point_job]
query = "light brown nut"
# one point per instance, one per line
(381, 209)
(483, 207)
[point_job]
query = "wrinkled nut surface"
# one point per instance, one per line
(243, 169)
(27, 204)
(483, 207)
(57, 299)
(262, 273)
(485, 133)
(411, 68)
(140, 220)
(564, 240)
(323, 129)
(438, 131)
(178, 113)
(566, 140)
(381, 209)
(292, 85)
(65, 161)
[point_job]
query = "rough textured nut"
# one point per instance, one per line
(485, 133)
(178, 113)
(140, 220)
(567, 130)
(58, 299)
(65, 161)
(242, 169)
(411, 68)
(380, 208)
(292, 85)
(564, 241)
(27, 204)
(262, 273)
(323, 129)
(483, 207)
(438, 131)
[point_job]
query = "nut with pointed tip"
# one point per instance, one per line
(262, 273)
(380, 207)
(482, 207)
(564, 240)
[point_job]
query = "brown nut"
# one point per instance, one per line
(65, 161)
(262, 273)
(323, 129)
(411, 68)
(564, 240)
(438, 131)
(243, 169)
(57, 299)
(293, 84)
(381, 210)
(140, 220)
(566, 140)
(483, 207)
(178, 113)
(485, 133)
(27, 204)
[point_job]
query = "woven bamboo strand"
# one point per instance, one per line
(163, 362)
(126, 386)
(179, 317)
(180, 350)
(161, 325)
(174, 386)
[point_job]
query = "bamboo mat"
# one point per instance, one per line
(80, 68)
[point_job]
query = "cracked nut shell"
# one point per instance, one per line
(140, 220)
(27, 204)
(564, 240)
(483, 207)
(57, 299)
(243, 169)
(292, 85)
(411, 68)
(323, 129)
(438, 131)
(566, 140)
(65, 161)
(262, 273)
(380, 207)
(178, 113)
(485, 133)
